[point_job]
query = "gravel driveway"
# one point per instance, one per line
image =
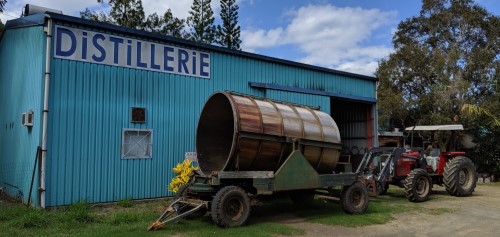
(474, 216)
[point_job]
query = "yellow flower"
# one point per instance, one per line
(182, 172)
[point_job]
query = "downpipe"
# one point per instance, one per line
(48, 31)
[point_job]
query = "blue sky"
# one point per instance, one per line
(347, 35)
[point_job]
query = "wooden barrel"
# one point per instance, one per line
(242, 133)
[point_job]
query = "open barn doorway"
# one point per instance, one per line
(355, 121)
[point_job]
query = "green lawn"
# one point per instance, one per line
(126, 218)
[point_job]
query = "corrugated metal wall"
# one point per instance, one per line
(90, 106)
(22, 54)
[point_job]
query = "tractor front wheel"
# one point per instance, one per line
(230, 207)
(354, 198)
(460, 176)
(418, 186)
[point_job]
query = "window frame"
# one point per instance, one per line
(123, 152)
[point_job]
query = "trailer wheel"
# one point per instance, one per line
(418, 186)
(182, 193)
(230, 207)
(354, 198)
(460, 176)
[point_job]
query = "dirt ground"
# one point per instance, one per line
(474, 216)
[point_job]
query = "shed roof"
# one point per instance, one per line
(448, 127)
(39, 19)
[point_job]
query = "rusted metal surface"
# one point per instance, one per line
(225, 116)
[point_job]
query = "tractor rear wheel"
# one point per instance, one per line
(354, 198)
(230, 207)
(460, 176)
(418, 186)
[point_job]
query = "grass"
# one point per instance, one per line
(126, 218)
(125, 203)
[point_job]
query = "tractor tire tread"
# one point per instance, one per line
(451, 176)
(410, 186)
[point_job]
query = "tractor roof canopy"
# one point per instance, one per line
(449, 127)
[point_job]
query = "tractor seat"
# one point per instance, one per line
(435, 152)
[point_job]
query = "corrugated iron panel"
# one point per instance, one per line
(22, 54)
(90, 106)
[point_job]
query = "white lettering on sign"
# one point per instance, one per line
(192, 156)
(94, 47)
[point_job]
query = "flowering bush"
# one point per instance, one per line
(182, 172)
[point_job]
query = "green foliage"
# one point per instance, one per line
(201, 21)
(125, 203)
(475, 110)
(229, 33)
(165, 25)
(445, 57)
(2, 5)
(128, 13)
(95, 16)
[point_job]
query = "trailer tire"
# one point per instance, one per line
(460, 176)
(182, 193)
(354, 198)
(418, 186)
(230, 207)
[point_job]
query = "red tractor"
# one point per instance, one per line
(416, 172)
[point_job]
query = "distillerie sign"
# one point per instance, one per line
(94, 47)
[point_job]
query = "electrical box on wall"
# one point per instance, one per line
(138, 115)
(27, 118)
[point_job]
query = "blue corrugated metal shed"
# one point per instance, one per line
(90, 105)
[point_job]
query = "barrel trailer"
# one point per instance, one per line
(248, 147)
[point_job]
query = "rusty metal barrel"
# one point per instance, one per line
(243, 133)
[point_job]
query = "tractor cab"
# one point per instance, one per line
(435, 157)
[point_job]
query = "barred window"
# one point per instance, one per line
(137, 143)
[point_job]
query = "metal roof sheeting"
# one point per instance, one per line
(449, 127)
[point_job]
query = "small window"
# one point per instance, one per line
(138, 115)
(137, 143)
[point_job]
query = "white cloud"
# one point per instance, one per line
(180, 8)
(14, 8)
(262, 39)
(329, 36)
